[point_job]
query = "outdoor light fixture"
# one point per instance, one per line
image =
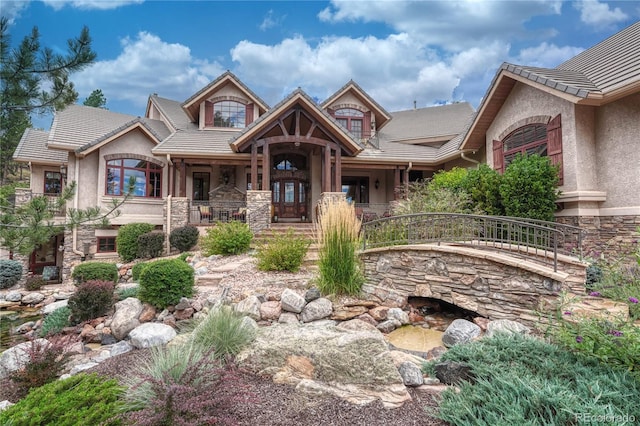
(377, 184)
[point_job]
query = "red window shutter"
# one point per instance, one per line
(366, 125)
(498, 156)
(248, 117)
(208, 113)
(554, 144)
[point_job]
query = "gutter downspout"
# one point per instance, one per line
(471, 160)
(76, 196)
(168, 243)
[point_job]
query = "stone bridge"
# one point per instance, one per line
(496, 285)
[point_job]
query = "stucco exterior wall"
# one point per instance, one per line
(525, 102)
(617, 129)
(348, 99)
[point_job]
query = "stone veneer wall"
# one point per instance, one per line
(492, 284)
(84, 234)
(258, 210)
(615, 237)
(179, 213)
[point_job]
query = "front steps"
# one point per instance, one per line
(304, 229)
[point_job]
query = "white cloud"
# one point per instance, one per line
(271, 21)
(147, 65)
(11, 9)
(546, 55)
(599, 15)
(453, 25)
(90, 4)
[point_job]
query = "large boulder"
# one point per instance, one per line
(151, 334)
(125, 317)
(505, 326)
(17, 357)
(316, 310)
(460, 331)
(292, 301)
(55, 305)
(250, 307)
(353, 365)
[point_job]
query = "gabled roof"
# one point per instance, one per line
(604, 73)
(192, 105)
(380, 114)
(297, 97)
(433, 125)
(33, 148)
(171, 111)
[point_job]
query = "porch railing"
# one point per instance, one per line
(209, 212)
(538, 240)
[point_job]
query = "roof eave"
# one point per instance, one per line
(87, 149)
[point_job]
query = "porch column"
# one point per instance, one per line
(266, 168)
(338, 187)
(396, 184)
(172, 179)
(254, 166)
(326, 177)
(183, 179)
(406, 181)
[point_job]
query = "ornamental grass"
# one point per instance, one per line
(337, 233)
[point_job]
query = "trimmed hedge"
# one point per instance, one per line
(10, 272)
(127, 239)
(184, 238)
(164, 282)
(88, 271)
(150, 245)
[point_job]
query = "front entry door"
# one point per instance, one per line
(289, 198)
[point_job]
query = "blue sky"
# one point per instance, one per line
(431, 52)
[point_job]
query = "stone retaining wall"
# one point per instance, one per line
(492, 284)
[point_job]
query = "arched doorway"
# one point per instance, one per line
(290, 186)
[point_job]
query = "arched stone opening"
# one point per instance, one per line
(436, 313)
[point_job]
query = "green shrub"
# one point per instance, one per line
(338, 267)
(525, 381)
(88, 271)
(426, 198)
(223, 331)
(621, 283)
(450, 179)
(46, 360)
(150, 245)
(137, 269)
(124, 293)
(91, 300)
(184, 256)
(10, 272)
(528, 188)
(79, 400)
(54, 322)
(127, 239)
(283, 252)
(35, 282)
(227, 238)
(164, 282)
(184, 238)
(483, 186)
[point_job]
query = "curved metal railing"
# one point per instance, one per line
(522, 237)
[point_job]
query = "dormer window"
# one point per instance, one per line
(352, 120)
(230, 114)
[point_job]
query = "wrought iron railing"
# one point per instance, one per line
(525, 238)
(209, 212)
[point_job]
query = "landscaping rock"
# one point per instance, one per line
(120, 348)
(148, 313)
(506, 326)
(460, 331)
(32, 298)
(411, 374)
(379, 313)
(388, 326)
(270, 310)
(352, 365)
(288, 318)
(292, 301)
(151, 334)
(312, 294)
(125, 317)
(183, 314)
(316, 310)
(17, 357)
(398, 314)
(5, 404)
(343, 313)
(13, 296)
(357, 325)
(250, 307)
(452, 373)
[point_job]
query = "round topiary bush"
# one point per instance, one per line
(10, 272)
(164, 282)
(127, 239)
(136, 270)
(184, 238)
(150, 245)
(95, 271)
(91, 300)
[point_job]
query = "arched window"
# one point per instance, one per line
(537, 138)
(230, 114)
(145, 176)
(352, 120)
